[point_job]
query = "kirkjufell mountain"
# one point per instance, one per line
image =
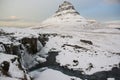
(65, 46)
(66, 8)
(68, 18)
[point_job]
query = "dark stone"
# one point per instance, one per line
(87, 42)
(66, 36)
(5, 66)
(75, 46)
(76, 62)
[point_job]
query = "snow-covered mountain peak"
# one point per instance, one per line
(66, 18)
(66, 8)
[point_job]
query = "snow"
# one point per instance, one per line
(40, 59)
(67, 20)
(5, 40)
(113, 24)
(20, 32)
(15, 72)
(50, 74)
(100, 62)
(110, 79)
(107, 30)
(6, 57)
(8, 78)
(100, 54)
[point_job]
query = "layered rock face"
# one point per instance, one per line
(66, 8)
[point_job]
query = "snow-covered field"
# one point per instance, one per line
(100, 53)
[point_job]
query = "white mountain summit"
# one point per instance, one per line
(67, 18)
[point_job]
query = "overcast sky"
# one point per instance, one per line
(38, 10)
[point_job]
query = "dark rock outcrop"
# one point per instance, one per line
(30, 44)
(11, 48)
